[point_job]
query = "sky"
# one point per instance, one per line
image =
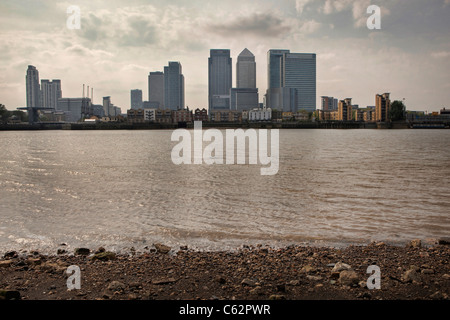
(120, 41)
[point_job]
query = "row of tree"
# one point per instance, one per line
(6, 115)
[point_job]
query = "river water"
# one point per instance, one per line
(120, 189)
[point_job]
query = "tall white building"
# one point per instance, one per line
(50, 93)
(33, 89)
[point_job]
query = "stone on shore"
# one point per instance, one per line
(348, 278)
(104, 256)
(82, 251)
(5, 263)
(340, 266)
(416, 243)
(411, 275)
(161, 248)
(308, 269)
(9, 295)
(116, 286)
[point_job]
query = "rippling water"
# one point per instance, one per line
(120, 189)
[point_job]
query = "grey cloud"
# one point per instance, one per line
(140, 34)
(258, 24)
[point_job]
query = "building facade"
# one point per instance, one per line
(345, 112)
(246, 70)
(382, 107)
(76, 109)
(299, 72)
(328, 103)
(156, 88)
(219, 79)
(136, 99)
(173, 86)
(50, 93)
(243, 99)
(201, 114)
(33, 88)
(264, 114)
(182, 115)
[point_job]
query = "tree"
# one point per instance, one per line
(4, 114)
(397, 112)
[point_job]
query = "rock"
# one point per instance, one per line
(57, 267)
(411, 276)
(416, 243)
(277, 297)
(444, 241)
(364, 295)
(427, 271)
(380, 244)
(5, 263)
(34, 261)
(9, 295)
(308, 269)
(100, 250)
(248, 282)
(446, 276)
(256, 291)
(10, 255)
(221, 280)
(82, 251)
(335, 275)
(164, 281)
(294, 282)
(116, 286)
(348, 278)
(184, 248)
(437, 296)
(281, 287)
(61, 251)
(160, 248)
(313, 278)
(363, 284)
(104, 256)
(338, 267)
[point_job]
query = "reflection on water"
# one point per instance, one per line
(120, 189)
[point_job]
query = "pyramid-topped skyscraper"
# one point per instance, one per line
(246, 70)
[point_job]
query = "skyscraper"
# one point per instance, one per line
(156, 88)
(50, 93)
(173, 86)
(33, 90)
(274, 68)
(246, 70)
(299, 72)
(219, 79)
(136, 99)
(292, 70)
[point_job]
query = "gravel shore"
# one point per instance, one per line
(250, 273)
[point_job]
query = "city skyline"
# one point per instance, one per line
(120, 43)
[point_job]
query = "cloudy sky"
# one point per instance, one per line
(121, 41)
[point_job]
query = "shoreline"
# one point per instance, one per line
(294, 272)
